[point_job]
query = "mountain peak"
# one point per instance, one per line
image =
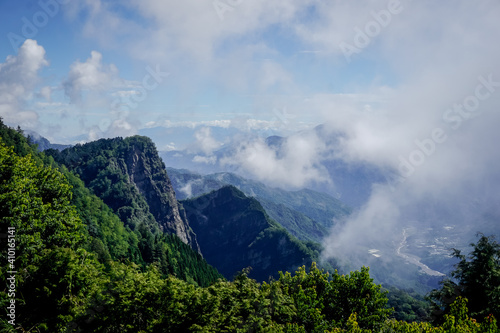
(131, 178)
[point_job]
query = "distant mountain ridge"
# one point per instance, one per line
(306, 214)
(43, 143)
(350, 181)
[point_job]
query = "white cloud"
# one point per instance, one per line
(190, 40)
(429, 57)
(440, 63)
(296, 163)
(91, 75)
(196, 28)
(205, 159)
(18, 79)
(205, 142)
(46, 93)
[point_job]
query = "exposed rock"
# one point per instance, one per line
(130, 177)
(148, 173)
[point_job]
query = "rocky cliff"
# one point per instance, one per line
(131, 178)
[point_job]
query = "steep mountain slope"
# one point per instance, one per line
(131, 178)
(235, 232)
(43, 143)
(296, 223)
(105, 234)
(305, 214)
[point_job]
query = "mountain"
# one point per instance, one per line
(351, 181)
(43, 143)
(306, 214)
(234, 232)
(129, 176)
(103, 233)
(296, 223)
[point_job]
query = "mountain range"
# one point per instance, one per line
(349, 182)
(43, 143)
(235, 232)
(230, 230)
(131, 178)
(306, 214)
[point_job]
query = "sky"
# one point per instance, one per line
(108, 68)
(409, 86)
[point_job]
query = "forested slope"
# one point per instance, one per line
(235, 232)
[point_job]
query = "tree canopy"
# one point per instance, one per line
(476, 277)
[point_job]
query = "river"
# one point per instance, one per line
(414, 259)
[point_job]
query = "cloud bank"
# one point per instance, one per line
(18, 80)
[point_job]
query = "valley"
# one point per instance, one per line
(413, 259)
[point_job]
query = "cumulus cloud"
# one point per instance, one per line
(91, 75)
(96, 85)
(294, 162)
(205, 159)
(205, 141)
(204, 146)
(18, 79)
(198, 29)
(191, 41)
(46, 93)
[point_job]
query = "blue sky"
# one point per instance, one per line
(382, 72)
(244, 63)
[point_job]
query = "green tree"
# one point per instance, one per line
(35, 200)
(476, 277)
(325, 302)
(59, 289)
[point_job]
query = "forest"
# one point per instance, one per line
(72, 263)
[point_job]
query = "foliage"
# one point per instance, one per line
(476, 277)
(322, 300)
(58, 289)
(128, 230)
(102, 166)
(457, 321)
(35, 200)
(304, 213)
(408, 305)
(16, 140)
(237, 229)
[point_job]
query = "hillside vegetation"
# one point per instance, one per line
(79, 268)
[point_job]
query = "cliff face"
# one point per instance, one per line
(234, 232)
(148, 173)
(129, 176)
